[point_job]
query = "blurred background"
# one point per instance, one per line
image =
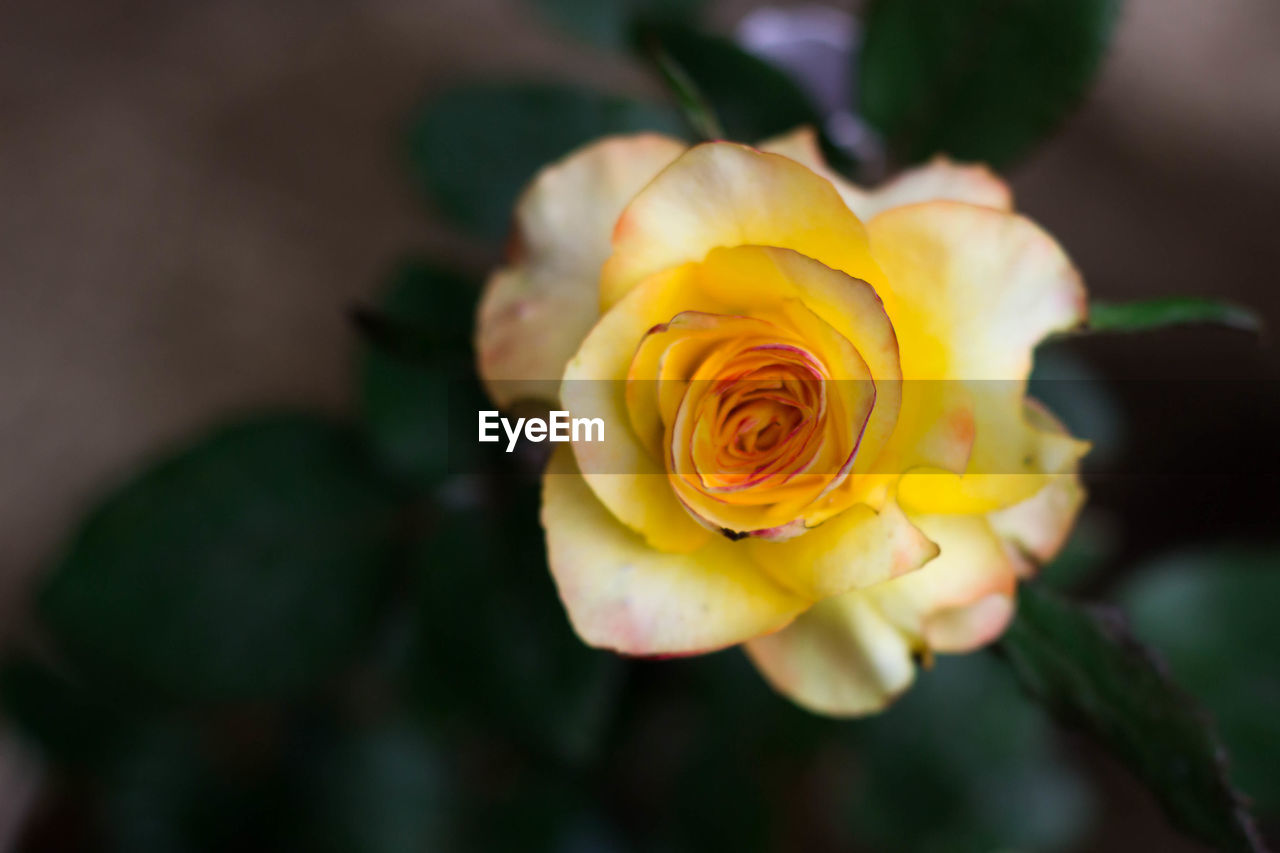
(195, 194)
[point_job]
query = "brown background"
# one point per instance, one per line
(191, 193)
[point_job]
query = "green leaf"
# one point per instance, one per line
(389, 789)
(713, 745)
(168, 792)
(249, 564)
(978, 79)
(752, 98)
(608, 23)
(695, 108)
(1211, 614)
(1084, 665)
(495, 642)
(538, 810)
(1169, 311)
(964, 747)
(414, 375)
(69, 721)
(472, 149)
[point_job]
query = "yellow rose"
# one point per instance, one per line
(819, 443)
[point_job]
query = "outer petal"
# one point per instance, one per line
(623, 595)
(841, 658)
(973, 291)
(1038, 527)
(536, 310)
(720, 194)
(963, 598)
(855, 549)
(939, 179)
(853, 654)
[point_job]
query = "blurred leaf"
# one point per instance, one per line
(752, 98)
(978, 79)
(495, 639)
(694, 106)
(964, 747)
(608, 23)
(1084, 665)
(248, 564)
(70, 722)
(729, 770)
(384, 790)
(414, 374)
(1212, 615)
(473, 149)
(167, 793)
(426, 314)
(1169, 311)
(537, 810)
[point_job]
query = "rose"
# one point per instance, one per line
(819, 440)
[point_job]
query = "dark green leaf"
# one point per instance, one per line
(473, 149)
(495, 640)
(608, 23)
(1170, 311)
(385, 790)
(70, 722)
(978, 79)
(414, 373)
(966, 749)
(1212, 615)
(752, 98)
(1084, 665)
(248, 564)
(695, 107)
(538, 811)
(169, 792)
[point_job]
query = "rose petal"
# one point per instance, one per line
(621, 594)
(750, 279)
(1038, 526)
(841, 658)
(939, 179)
(855, 549)
(720, 194)
(973, 290)
(946, 605)
(536, 310)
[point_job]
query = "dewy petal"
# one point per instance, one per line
(537, 309)
(720, 194)
(621, 594)
(857, 548)
(960, 600)
(939, 179)
(841, 658)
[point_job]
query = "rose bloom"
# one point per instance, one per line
(818, 440)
